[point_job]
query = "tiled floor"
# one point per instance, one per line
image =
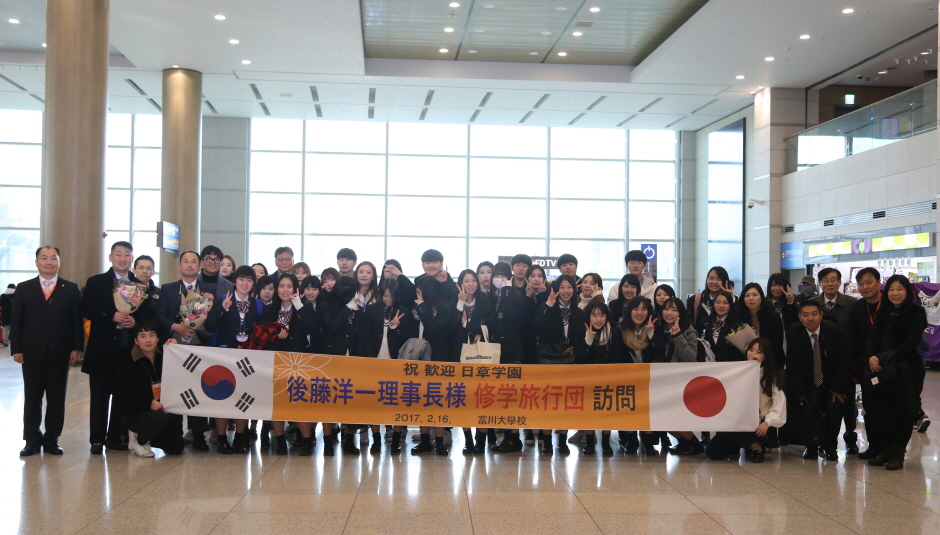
(263, 493)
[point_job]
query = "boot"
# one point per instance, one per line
(562, 443)
(281, 441)
(468, 442)
(589, 444)
(376, 444)
(648, 442)
(395, 446)
(629, 442)
(547, 445)
(882, 458)
(306, 446)
(895, 459)
(870, 453)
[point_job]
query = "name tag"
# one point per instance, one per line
(155, 387)
(874, 381)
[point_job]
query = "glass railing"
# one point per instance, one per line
(899, 117)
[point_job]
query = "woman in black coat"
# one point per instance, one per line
(783, 302)
(336, 308)
(699, 306)
(891, 403)
(756, 311)
(560, 323)
(603, 345)
(300, 322)
(639, 347)
(715, 330)
(475, 311)
(629, 288)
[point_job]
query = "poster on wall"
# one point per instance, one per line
(929, 296)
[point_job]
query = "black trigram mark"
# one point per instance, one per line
(245, 402)
(244, 366)
(191, 362)
(189, 398)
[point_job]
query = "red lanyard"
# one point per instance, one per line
(871, 318)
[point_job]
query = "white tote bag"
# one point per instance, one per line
(480, 351)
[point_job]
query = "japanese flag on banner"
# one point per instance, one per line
(693, 396)
(222, 383)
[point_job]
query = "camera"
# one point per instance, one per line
(859, 76)
(750, 203)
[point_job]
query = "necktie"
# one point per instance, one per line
(47, 288)
(565, 314)
(242, 306)
(716, 328)
(817, 361)
(830, 305)
(283, 317)
(469, 310)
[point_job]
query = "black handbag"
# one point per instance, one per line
(877, 380)
(803, 426)
(555, 353)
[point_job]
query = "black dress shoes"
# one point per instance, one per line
(115, 445)
(831, 455)
(811, 452)
(97, 448)
(53, 448)
(30, 450)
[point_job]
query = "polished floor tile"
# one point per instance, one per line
(264, 493)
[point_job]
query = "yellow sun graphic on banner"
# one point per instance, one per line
(289, 365)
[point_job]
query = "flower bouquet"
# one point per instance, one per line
(128, 296)
(194, 309)
(741, 337)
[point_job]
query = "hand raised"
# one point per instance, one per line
(396, 321)
(462, 294)
(227, 302)
(552, 298)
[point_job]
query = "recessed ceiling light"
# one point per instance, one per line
(739, 77)
(562, 54)
(927, 53)
(220, 17)
(233, 41)
(448, 30)
(14, 21)
(246, 62)
(454, 4)
(443, 51)
(577, 34)
(752, 92)
(769, 58)
(488, 6)
(594, 9)
(882, 72)
(533, 53)
(804, 36)
(546, 33)
(176, 66)
(44, 45)
(848, 11)
(561, 9)
(760, 87)
(480, 31)
(471, 51)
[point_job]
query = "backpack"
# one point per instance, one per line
(415, 349)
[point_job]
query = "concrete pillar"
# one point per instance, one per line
(74, 133)
(182, 146)
(778, 113)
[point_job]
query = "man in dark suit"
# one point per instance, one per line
(108, 343)
(835, 306)
(167, 315)
(46, 335)
(819, 374)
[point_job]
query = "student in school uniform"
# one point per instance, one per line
(559, 324)
(485, 274)
(520, 265)
(603, 345)
(592, 289)
(629, 288)
(637, 330)
(722, 320)
(510, 305)
(475, 310)
(391, 269)
(662, 293)
(699, 306)
(784, 302)
(232, 319)
(568, 265)
(337, 310)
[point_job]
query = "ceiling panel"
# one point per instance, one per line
(19, 100)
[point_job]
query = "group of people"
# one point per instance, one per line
(808, 348)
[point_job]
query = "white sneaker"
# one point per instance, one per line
(188, 437)
(134, 446)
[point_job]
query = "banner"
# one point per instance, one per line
(926, 293)
(300, 387)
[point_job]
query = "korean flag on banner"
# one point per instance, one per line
(217, 382)
(707, 396)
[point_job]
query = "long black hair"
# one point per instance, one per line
(377, 307)
(781, 280)
(633, 304)
(556, 286)
(658, 310)
(373, 286)
(731, 312)
(431, 292)
(744, 313)
(477, 295)
(772, 376)
(680, 308)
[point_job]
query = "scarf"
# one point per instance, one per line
(634, 342)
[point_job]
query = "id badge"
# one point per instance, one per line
(155, 387)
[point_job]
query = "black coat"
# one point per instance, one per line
(6, 308)
(337, 321)
(550, 327)
(859, 332)
(439, 330)
(107, 344)
(653, 352)
(836, 364)
(372, 330)
(42, 329)
(302, 329)
(771, 328)
(898, 334)
(484, 313)
(167, 310)
(226, 323)
(515, 326)
(136, 379)
(724, 350)
(611, 353)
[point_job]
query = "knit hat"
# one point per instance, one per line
(346, 252)
(432, 255)
(808, 280)
(567, 259)
(521, 259)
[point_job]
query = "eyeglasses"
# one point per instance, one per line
(211, 260)
(285, 259)
(830, 279)
(634, 263)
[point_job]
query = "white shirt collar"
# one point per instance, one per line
(54, 279)
(816, 331)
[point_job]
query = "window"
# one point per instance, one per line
(394, 190)
(20, 193)
(726, 200)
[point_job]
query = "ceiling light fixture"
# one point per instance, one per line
(443, 51)
(14, 21)
(561, 9)
(454, 4)
(562, 54)
(805, 36)
(595, 10)
(577, 34)
(44, 45)
(927, 53)
(546, 33)
(233, 41)
(739, 77)
(882, 72)
(471, 51)
(760, 87)
(219, 16)
(488, 6)
(448, 30)
(246, 62)
(176, 66)
(848, 11)
(769, 58)
(533, 53)
(480, 31)
(752, 92)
